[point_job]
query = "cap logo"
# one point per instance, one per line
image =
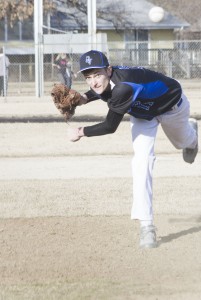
(88, 60)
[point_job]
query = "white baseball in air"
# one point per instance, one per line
(156, 14)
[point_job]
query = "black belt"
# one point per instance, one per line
(177, 104)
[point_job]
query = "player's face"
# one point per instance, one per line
(98, 79)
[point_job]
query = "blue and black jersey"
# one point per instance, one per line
(137, 91)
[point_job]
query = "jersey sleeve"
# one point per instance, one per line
(121, 98)
(91, 96)
(110, 125)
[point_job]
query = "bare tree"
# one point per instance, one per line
(113, 12)
(15, 10)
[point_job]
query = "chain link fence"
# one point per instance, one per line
(180, 60)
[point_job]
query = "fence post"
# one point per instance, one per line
(38, 35)
(4, 73)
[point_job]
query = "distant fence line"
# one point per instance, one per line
(183, 60)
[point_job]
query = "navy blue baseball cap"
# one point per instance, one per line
(93, 60)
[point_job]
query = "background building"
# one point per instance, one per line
(125, 30)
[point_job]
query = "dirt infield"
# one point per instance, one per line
(96, 257)
(65, 221)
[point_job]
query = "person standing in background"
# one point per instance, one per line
(4, 65)
(64, 67)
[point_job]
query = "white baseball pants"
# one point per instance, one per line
(176, 127)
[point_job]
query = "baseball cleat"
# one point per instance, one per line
(148, 237)
(188, 153)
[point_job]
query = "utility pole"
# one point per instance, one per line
(91, 13)
(38, 40)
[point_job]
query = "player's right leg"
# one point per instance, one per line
(181, 131)
(189, 154)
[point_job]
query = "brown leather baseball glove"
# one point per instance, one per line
(66, 100)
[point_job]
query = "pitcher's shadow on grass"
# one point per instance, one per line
(173, 236)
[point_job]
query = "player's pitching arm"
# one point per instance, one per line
(108, 126)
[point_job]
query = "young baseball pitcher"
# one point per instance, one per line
(150, 98)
